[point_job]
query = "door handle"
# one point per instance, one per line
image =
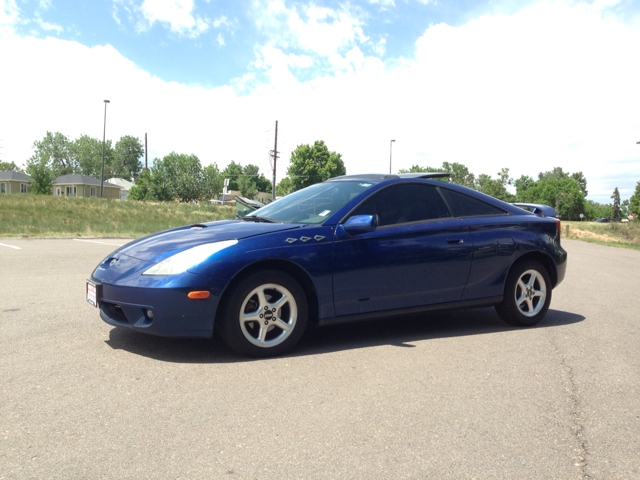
(455, 241)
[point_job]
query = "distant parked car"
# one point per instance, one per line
(348, 249)
(606, 220)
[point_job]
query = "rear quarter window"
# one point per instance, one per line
(462, 205)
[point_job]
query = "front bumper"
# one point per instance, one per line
(157, 305)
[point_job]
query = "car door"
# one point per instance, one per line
(418, 255)
(494, 234)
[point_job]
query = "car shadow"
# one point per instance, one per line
(396, 331)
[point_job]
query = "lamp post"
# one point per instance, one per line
(390, 154)
(104, 132)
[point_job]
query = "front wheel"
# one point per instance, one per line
(265, 315)
(527, 295)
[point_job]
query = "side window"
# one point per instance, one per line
(406, 203)
(465, 206)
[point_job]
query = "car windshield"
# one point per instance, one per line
(312, 205)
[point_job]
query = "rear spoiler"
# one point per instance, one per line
(543, 210)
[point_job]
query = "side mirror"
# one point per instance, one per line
(360, 224)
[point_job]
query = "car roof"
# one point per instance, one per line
(383, 176)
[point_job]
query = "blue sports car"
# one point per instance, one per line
(352, 248)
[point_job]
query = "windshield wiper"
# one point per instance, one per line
(257, 219)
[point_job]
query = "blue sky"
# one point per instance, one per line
(211, 43)
(491, 84)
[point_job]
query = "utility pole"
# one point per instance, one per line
(104, 133)
(274, 154)
(145, 152)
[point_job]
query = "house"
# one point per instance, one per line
(125, 184)
(78, 185)
(14, 182)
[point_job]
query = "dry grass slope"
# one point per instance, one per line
(48, 216)
(625, 235)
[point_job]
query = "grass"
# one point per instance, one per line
(49, 216)
(625, 235)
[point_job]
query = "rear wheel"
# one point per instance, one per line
(527, 295)
(265, 315)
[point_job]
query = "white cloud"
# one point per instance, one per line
(223, 22)
(383, 3)
(48, 26)
(380, 47)
(9, 13)
(319, 30)
(554, 85)
(176, 14)
(220, 40)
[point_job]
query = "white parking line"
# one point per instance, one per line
(102, 243)
(10, 246)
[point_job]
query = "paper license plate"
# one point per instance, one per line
(92, 293)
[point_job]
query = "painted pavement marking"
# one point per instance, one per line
(102, 243)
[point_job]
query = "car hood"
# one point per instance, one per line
(159, 246)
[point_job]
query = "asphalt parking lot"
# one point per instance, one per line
(447, 395)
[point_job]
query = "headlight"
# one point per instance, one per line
(181, 262)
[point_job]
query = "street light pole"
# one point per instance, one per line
(390, 154)
(104, 132)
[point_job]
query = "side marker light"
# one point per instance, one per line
(199, 294)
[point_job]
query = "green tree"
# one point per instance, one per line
(624, 208)
(127, 158)
(571, 202)
(556, 173)
(460, 174)
(160, 181)
(262, 183)
(314, 164)
(496, 187)
(177, 176)
(493, 187)
(232, 172)
(6, 166)
(212, 181)
(41, 177)
(616, 204)
(285, 187)
(594, 210)
(53, 151)
(247, 186)
(523, 184)
(142, 189)
(86, 152)
(579, 177)
(634, 201)
(51, 158)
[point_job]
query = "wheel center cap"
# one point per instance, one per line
(268, 315)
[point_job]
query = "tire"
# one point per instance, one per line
(527, 295)
(265, 315)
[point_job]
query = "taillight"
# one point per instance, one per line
(559, 228)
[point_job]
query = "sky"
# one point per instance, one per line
(491, 84)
